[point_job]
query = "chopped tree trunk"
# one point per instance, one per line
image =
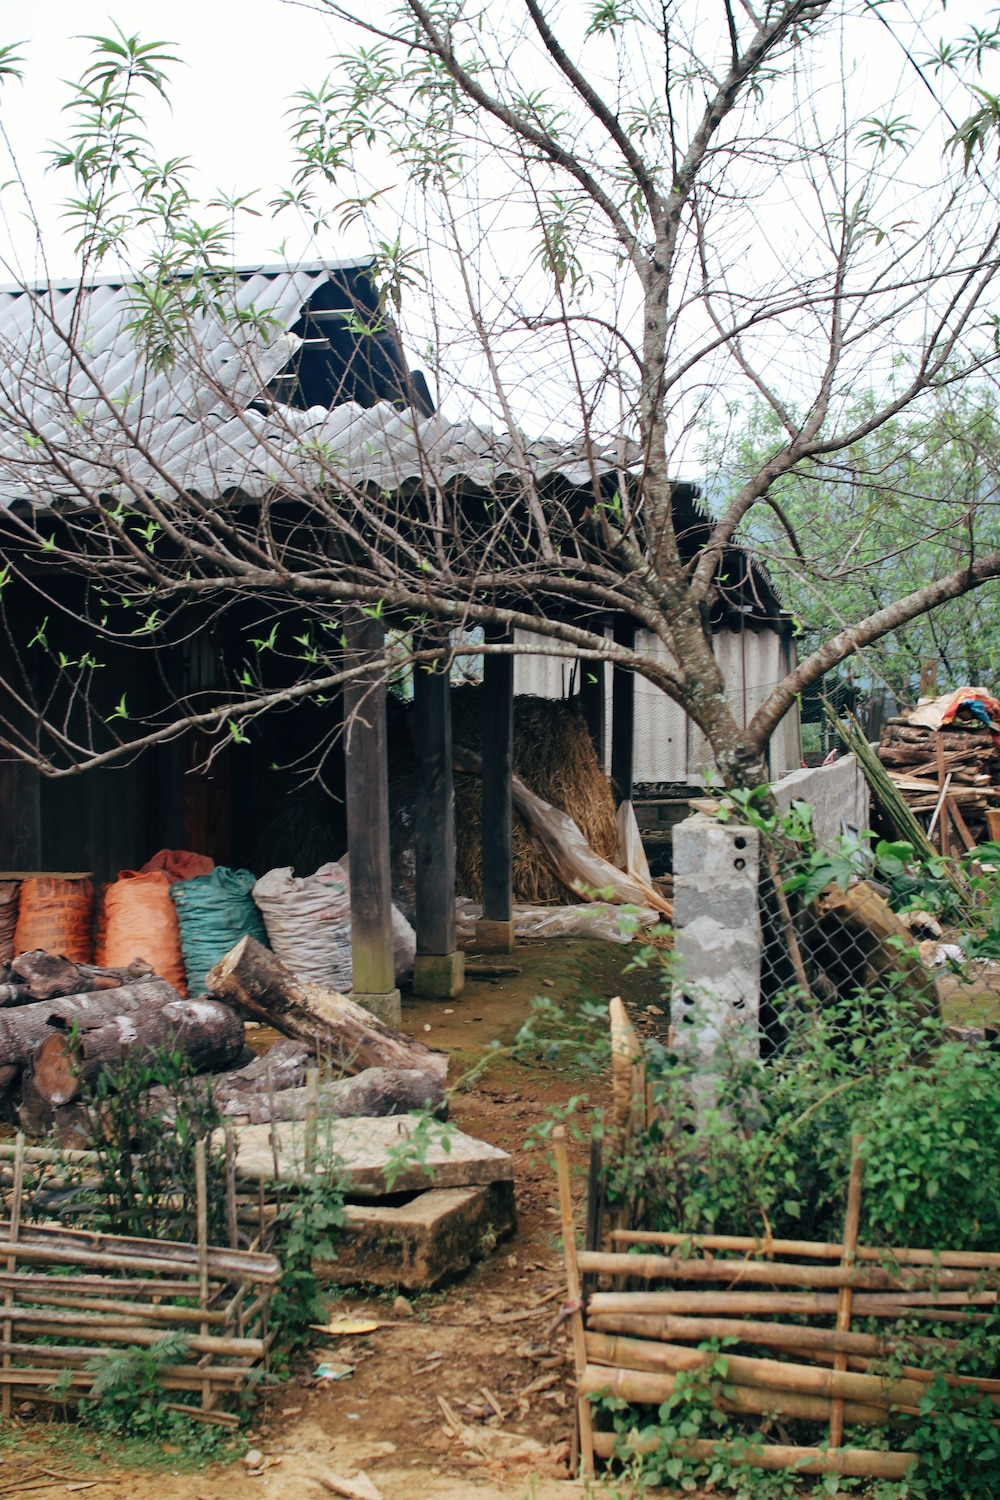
(37, 975)
(375, 1092)
(331, 1023)
(22, 1031)
(282, 1066)
(208, 1033)
(34, 1113)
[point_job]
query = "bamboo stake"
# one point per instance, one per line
(573, 1300)
(201, 1193)
(972, 1260)
(15, 1226)
(852, 1223)
(852, 1463)
(234, 1236)
(651, 1267)
(312, 1116)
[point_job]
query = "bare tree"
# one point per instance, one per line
(601, 240)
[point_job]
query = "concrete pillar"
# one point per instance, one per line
(716, 998)
(367, 789)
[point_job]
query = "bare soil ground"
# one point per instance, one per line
(485, 1339)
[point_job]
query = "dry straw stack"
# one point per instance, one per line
(69, 1296)
(791, 1302)
(554, 756)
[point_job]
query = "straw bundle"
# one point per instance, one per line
(554, 755)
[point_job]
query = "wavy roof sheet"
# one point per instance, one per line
(85, 411)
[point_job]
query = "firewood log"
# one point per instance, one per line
(375, 1092)
(24, 1029)
(208, 1033)
(44, 976)
(254, 977)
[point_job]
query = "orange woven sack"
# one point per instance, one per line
(57, 916)
(179, 864)
(8, 918)
(140, 921)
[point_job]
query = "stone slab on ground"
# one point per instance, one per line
(417, 1244)
(359, 1150)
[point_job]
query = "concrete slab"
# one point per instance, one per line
(359, 1150)
(415, 1245)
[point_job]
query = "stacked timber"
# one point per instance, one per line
(948, 771)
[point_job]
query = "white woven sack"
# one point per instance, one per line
(308, 921)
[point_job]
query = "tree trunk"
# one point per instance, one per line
(254, 977)
(22, 1031)
(375, 1092)
(282, 1066)
(207, 1032)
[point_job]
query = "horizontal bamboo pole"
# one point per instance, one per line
(648, 1389)
(195, 1375)
(741, 1369)
(23, 1283)
(852, 1463)
(70, 1324)
(772, 1335)
(876, 1304)
(817, 1250)
(69, 1255)
(236, 1264)
(873, 1278)
(142, 1312)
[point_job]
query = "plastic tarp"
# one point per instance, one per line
(595, 919)
(630, 853)
(580, 869)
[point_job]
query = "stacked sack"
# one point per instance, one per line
(138, 920)
(214, 911)
(56, 916)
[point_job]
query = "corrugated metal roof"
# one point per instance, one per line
(73, 374)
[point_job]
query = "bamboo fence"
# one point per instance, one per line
(70, 1297)
(635, 1344)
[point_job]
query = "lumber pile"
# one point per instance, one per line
(947, 769)
(69, 1297)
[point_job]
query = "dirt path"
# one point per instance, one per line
(486, 1338)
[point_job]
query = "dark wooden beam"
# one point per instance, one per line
(622, 715)
(496, 929)
(434, 820)
(367, 787)
(593, 705)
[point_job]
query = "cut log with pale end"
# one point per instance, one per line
(46, 976)
(24, 1029)
(373, 1094)
(208, 1033)
(331, 1023)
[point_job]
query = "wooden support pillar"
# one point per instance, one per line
(439, 969)
(495, 933)
(622, 715)
(367, 787)
(592, 704)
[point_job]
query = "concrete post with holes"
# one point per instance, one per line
(716, 997)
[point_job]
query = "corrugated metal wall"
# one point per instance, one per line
(667, 745)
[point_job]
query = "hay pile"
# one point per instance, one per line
(555, 757)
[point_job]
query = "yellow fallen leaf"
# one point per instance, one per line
(346, 1326)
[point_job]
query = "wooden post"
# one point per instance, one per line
(15, 1229)
(312, 1117)
(574, 1301)
(367, 787)
(622, 715)
(439, 967)
(593, 704)
(495, 933)
(201, 1198)
(844, 1296)
(231, 1220)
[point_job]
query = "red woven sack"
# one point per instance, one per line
(179, 864)
(57, 916)
(140, 921)
(8, 918)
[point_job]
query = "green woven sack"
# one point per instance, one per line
(213, 912)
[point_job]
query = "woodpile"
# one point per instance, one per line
(949, 776)
(63, 1024)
